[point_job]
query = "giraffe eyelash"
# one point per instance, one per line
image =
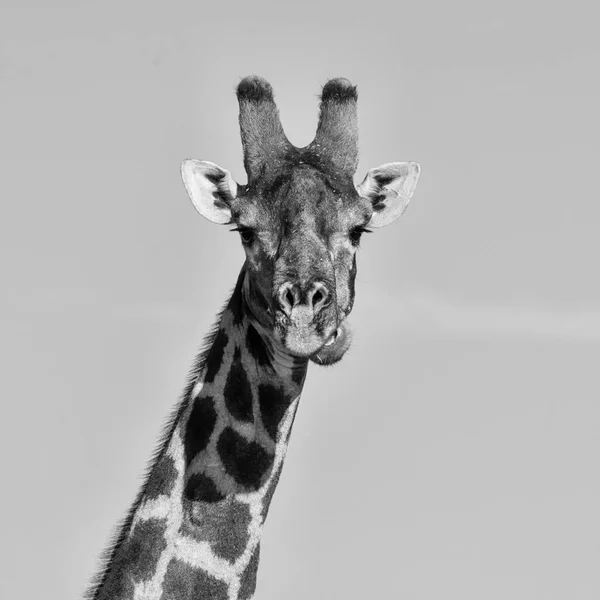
(246, 234)
(355, 234)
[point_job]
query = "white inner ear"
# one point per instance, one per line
(395, 195)
(206, 184)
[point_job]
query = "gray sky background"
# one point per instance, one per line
(455, 452)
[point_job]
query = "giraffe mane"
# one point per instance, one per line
(121, 530)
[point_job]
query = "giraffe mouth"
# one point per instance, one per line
(305, 341)
(331, 341)
(334, 347)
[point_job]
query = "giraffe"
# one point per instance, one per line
(195, 527)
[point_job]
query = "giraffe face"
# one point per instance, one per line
(300, 230)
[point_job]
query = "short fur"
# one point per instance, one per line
(263, 139)
(194, 529)
(123, 528)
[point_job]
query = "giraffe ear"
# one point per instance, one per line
(390, 188)
(210, 188)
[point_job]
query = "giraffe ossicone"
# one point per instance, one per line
(194, 530)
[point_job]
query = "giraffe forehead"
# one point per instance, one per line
(300, 199)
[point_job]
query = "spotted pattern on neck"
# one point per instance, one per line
(195, 530)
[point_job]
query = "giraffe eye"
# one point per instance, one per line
(356, 232)
(246, 234)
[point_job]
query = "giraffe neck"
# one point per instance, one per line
(195, 529)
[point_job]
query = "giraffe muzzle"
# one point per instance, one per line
(291, 296)
(307, 317)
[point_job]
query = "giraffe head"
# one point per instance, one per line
(300, 217)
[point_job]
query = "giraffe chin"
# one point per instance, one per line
(334, 348)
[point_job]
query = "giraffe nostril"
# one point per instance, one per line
(291, 296)
(289, 299)
(319, 297)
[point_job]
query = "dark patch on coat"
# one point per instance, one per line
(247, 462)
(144, 548)
(299, 370)
(116, 584)
(236, 302)
(275, 480)
(136, 560)
(273, 404)
(183, 582)
(215, 356)
(223, 524)
(162, 478)
(248, 579)
(270, 493)
(237, 391)
(201, 488)
(103, 582)
(257, 347)
(199, 427)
